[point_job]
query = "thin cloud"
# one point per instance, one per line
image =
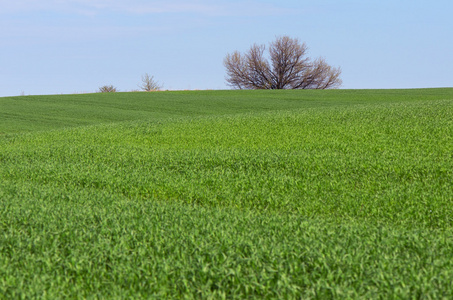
(18, 6)
(94, 7)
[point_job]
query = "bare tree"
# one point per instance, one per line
(107, 89)
(149, 84)
(288, 68)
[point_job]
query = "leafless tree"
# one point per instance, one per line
(149, 84)
(288, 68)
(107, 89)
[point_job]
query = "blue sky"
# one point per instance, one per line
(75, 46)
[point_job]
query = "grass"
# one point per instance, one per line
(35, 113)
(228, 194)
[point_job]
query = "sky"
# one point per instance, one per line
(76, 46)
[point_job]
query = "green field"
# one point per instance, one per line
(227, 194)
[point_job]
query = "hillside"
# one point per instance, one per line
(235, 194)
(34, 113)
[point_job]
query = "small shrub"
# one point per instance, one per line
(107, 89)
(149, 84)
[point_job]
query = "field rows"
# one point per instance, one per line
(322, 200)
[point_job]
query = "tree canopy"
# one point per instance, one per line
(287, 68)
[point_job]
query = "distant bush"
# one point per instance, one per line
(107, 89)
(149, 84)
